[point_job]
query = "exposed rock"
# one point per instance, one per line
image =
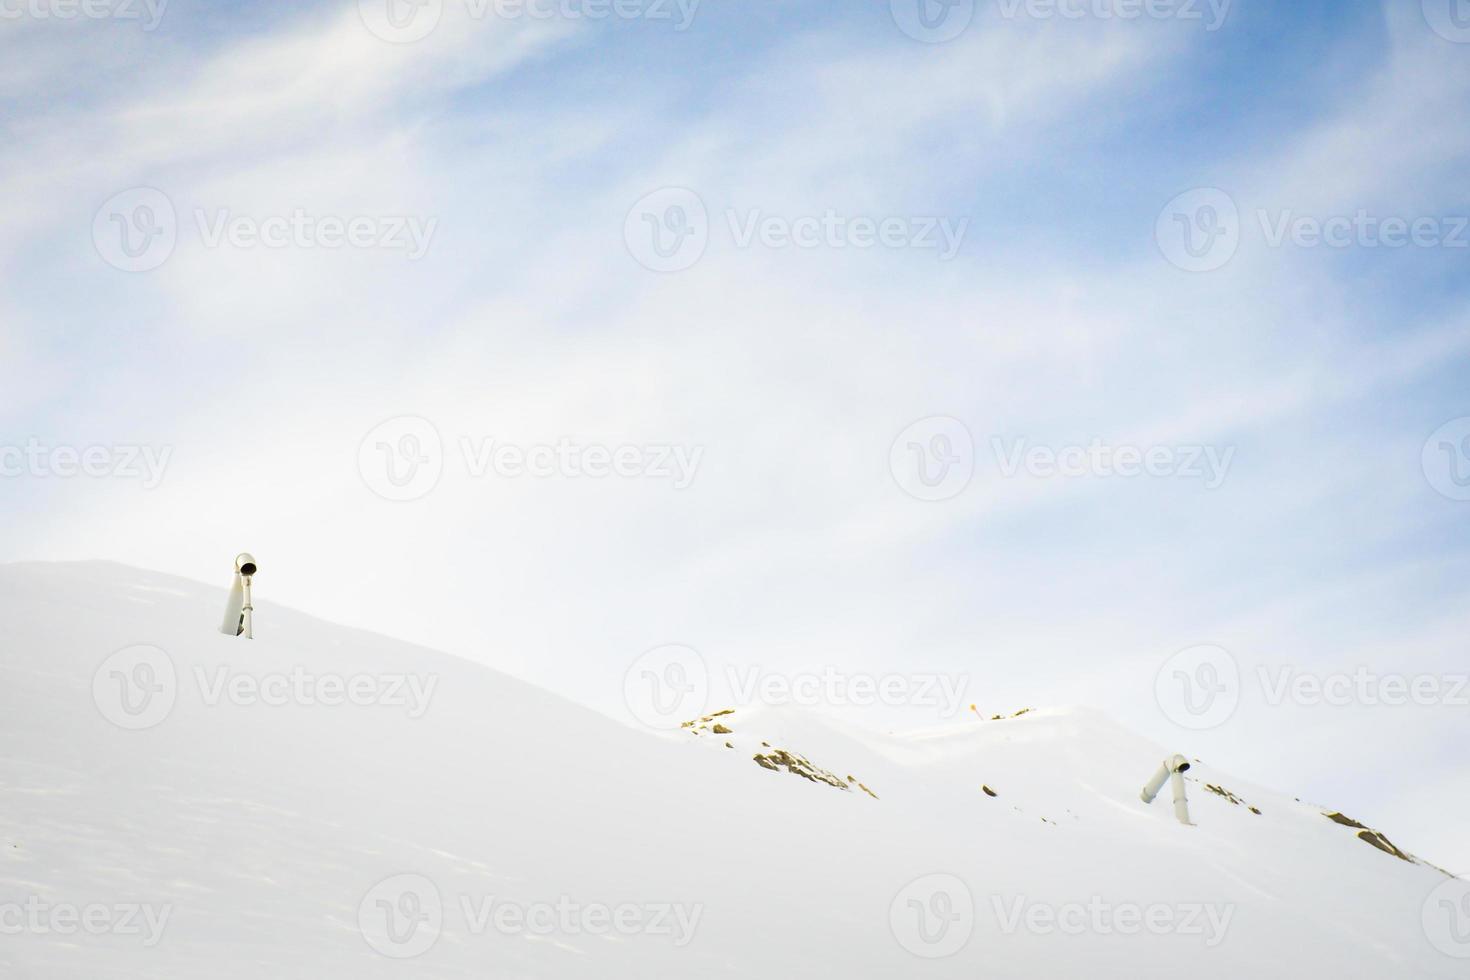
(704, 722)
(1224, 793)
(1383, 844)
(1346, 821)
(1370, 836)
(781, 760)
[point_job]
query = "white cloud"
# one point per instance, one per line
(530, 322)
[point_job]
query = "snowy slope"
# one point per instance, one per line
(457, 823)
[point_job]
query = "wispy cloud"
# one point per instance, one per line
(529, 320)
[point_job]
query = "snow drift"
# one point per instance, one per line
(322, 802)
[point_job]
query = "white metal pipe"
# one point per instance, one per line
(1181, 802)
(239, 608)
(1151, 791)
(1171, 771)
(247, 613)
(230, 626)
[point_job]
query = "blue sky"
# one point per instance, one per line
(532, 317)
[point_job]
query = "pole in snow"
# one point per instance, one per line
(1172, 771)
(239, 610)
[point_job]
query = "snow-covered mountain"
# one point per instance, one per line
(322, 802)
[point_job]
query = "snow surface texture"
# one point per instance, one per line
(163, 816)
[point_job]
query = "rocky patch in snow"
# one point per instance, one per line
(1370, 836)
